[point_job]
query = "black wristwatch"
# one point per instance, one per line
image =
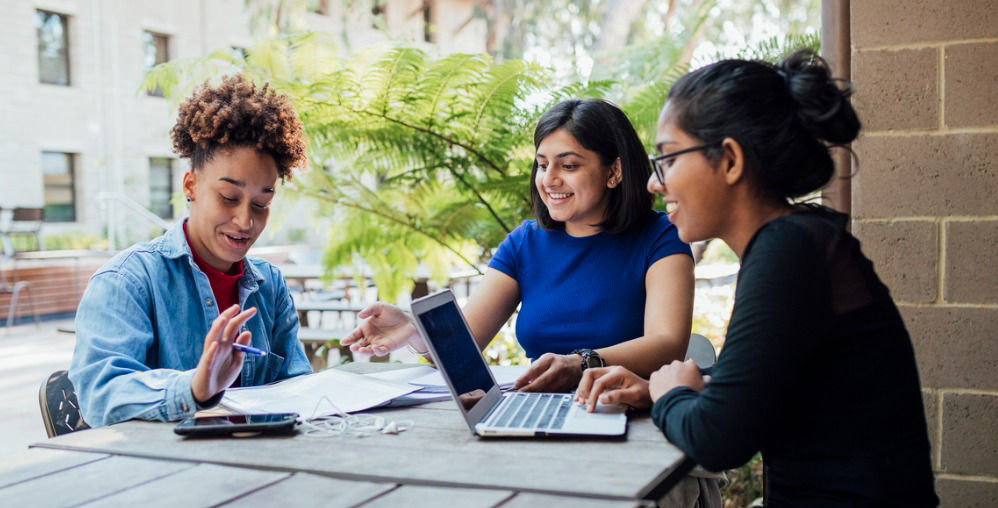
(590, 358)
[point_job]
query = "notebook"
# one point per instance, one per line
(487, 410)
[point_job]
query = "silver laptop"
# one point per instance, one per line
(489, 411)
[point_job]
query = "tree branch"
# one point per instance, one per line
(481, 199)
(437, 135)
(396, 220)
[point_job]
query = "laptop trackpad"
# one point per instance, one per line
(607, 419)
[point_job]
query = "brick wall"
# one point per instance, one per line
(925, 205)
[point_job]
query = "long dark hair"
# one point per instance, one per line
(784, 116)
(603, 128)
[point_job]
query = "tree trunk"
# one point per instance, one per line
(616, 26)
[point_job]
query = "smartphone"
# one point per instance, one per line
(237, 424)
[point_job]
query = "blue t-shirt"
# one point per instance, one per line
(584, 292)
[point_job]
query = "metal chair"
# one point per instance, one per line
(14, 290)
(701, 351)
(23, 221)
(60, 408)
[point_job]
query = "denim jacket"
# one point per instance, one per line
(141, 325)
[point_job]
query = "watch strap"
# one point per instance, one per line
(590, 358)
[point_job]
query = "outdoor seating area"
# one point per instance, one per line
(17, 222)
(45, 282)
(698, 253)
(435, 460)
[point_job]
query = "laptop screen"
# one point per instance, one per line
(457, 352)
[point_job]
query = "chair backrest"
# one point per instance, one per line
(22, 219)
(60, 409)
(701, 351)
(33, 215)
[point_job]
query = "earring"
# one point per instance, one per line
(189, 200)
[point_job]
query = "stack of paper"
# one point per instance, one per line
(432, 384)
(322, 393)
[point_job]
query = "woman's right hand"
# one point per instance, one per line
(220, 364)
(612, 385)
(384, 328)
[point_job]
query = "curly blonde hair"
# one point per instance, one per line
(237, 113)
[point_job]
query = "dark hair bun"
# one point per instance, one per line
(822, 106)
(785, 117)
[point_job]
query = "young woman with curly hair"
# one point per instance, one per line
(156, 325)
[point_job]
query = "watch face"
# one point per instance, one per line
(590, 358)
(593, 360)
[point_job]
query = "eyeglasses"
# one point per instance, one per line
(658, 161)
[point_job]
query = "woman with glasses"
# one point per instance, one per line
(817, 371)
(600, 278)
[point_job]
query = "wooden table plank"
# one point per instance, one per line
(329, 306)
(528, 500)
(443, 417)
(38, 462)
(303, 489)
(412, 496)
(438, 451)
(88, 482)
(201, 485)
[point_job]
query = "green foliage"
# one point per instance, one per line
(419, 163)
(719, 252)
(775, 48)
(652, 68)
(61, 241)
(423, 162)
(744, 484)
(505, 350)
(644, 103)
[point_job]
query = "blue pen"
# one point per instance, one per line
(248, 350)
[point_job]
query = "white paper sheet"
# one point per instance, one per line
(349, 392)
(505, 375)
(432, 382)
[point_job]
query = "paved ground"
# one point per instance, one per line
(28, 354)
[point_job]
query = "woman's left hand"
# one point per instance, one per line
(676, 374)
(551, 373)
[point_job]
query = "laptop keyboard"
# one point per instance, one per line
(533, 411)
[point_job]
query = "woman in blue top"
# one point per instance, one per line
(602, 278)
(155, 327)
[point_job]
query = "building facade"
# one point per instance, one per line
(80, 139)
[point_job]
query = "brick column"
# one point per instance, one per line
(925, 206)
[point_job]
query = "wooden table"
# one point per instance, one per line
(436, 462)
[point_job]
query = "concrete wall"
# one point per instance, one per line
(925, 205)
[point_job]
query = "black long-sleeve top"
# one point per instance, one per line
(817, 372)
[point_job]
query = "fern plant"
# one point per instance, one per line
(420, 164)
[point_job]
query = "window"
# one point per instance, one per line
(60, 193)
(53, 47)
(156, 46)
(161, 186)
